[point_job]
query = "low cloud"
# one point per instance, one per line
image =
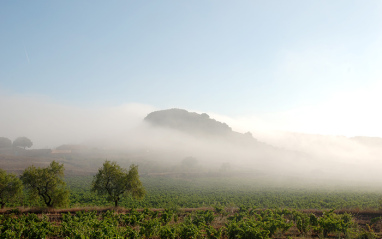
(50, 124)
(303, 152)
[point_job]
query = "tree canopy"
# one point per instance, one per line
(47, 184)
(22, 142)
(10, 187)
(116, 182)
(5, 142)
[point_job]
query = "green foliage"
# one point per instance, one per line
(115, 182)
(150, 228)
(189, 230)
(331, 222)
(89, 225)
(213, 233)
(26, 226)
(203, 218)
(166, 216)
(273, 221)
(37, 228)
(374, 220)
(367, 233)
(47, 184)
(10, 188)
(313, 220)
(248, 229)
(303, 221)
(219, 209)
(176, 193)
(132, 219)
(249, 224)
(168, 232)
(261, 224)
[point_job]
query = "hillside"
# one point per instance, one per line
(190, 122)
(167, 138)
(199, 125)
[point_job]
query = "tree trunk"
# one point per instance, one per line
(116, 203)
(2, 205)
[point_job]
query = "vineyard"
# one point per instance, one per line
(209, 223)
(222, 207)
(167, 192)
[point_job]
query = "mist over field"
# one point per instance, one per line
(52, 124)
(191, 119)
(174, 135)
(279, 90)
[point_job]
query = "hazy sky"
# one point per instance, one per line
(307, 66)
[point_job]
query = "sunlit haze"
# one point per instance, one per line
(71, 71)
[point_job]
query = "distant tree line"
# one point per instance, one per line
(47, 185)
(22, 142)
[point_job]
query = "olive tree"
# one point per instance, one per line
(47, 184)
(10, 187)
(22, 142)
(116, 182)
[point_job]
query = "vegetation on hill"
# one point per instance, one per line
(190, 122)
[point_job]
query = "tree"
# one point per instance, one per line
(47, 184)
(10, 187)
(5, 142)
(22, 142)
(116, 182)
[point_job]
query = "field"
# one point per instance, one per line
(185, 206)
(217, 222)
(260, 192)
(168, 192)
(198, 204)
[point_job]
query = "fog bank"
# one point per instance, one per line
(266, 152)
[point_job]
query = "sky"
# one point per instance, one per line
(303, 66)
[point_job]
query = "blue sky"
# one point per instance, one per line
(261, 60)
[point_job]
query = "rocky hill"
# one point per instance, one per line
(189, 122)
